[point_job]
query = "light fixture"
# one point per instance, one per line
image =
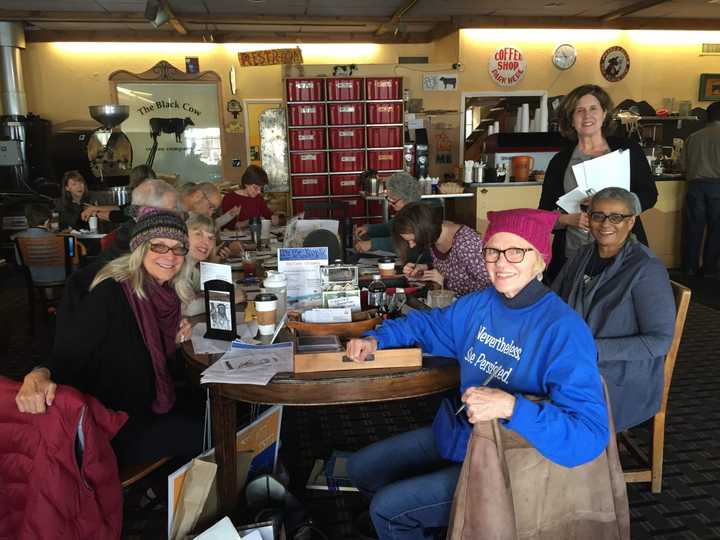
(156, 13)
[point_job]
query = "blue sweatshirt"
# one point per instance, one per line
(544, 349)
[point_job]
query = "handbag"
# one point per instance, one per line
(452, 431)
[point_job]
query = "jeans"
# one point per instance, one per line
(410, 485)
(702, 209)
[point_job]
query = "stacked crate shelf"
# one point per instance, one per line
(338, 127)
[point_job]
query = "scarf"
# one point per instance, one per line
(158, 317)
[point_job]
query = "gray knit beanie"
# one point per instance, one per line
(404, 186)
(156, 223)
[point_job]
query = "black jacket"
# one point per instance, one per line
(98, 345)
(641, 183)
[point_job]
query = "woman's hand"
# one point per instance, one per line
(90, 210)
(433, 275)
(36, 393)
(363, 246)
(360, 231)
(358, 349)
(579, 220)
(483, 404)
(415, 271)
(185, 331)
(234, 211)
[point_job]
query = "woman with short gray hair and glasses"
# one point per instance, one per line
(623, 292)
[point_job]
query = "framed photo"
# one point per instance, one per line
(709, 87)
(220, 310)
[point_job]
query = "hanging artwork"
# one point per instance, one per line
(615, 64)
(507, 66)
(271, 57)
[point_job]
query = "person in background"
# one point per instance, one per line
(139, 174)
(623, 292)
(120, 214)
(701, 160)
(456, 249)
(38, 219)
(151, 193)
(401, 190)
(118, 327)
(248, 200)
(512, 339)
(202, 236)
(72, 201)
(583, 116)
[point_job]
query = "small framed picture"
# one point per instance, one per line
(709, 87)
(192, 64)
(220, 310)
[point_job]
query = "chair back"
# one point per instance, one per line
(325, 238)
(682, 302)
(47, 251)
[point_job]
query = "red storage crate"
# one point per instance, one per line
(344, 184)
(299, 206)
(307, 162)
(384, 136)
(346, 113)
(344, 89)
(306, 186)
(347, 160)
(375, 208)
(304, 89)
(355, 207)
(306, 114)
(385, 160)
(383, 112)
(383, 88)
(307, 139)
(346, 137)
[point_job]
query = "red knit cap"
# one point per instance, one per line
(535, 226)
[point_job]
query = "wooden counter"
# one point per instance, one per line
(663, 223)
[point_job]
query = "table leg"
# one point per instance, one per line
(224, 418)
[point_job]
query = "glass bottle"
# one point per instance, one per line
(376, 293)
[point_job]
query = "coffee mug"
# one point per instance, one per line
(266, 305)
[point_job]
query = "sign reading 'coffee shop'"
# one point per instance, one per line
(507, 66)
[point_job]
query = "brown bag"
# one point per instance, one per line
(508, 491)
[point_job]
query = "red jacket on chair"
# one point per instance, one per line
(44, 494)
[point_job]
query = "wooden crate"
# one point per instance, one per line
(337, 361)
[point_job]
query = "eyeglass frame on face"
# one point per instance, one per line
(392, 202)
(162, 249)
(614, 218)
(487, 250)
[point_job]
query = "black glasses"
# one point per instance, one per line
(162, 249)
(512, 254)
(615, 219)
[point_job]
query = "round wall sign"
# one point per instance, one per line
(615, 64)
(507, 66)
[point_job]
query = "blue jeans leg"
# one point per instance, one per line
(410, 484)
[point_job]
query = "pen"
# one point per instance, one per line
(484, 383)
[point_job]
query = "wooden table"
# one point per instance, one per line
(328, 388)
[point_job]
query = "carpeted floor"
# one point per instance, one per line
(688, 507)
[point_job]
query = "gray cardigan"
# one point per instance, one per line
(632, 318)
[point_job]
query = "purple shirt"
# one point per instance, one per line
(463, 266)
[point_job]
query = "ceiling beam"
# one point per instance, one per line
(632, 8)
(627, 23)
(392, 24)
(174, 21)
(442, 29)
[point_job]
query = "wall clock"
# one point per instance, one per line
(564, 56)
(614, 64)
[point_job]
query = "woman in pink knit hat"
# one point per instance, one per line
(512, 339)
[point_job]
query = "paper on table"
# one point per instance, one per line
(210, 271)
(327, 315)
(201, 345)
(225, 530)
(570, 202)
(250, 364)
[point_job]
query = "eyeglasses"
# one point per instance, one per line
(615, 219)
(162, 249)
(391, 200)
(512, 254)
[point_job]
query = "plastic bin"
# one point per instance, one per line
(378, 88)
(340, 114)
(384, 136)
(306, 114)
(347, 160)
(385, 160)
(346, 137)
(344, 184)
(307, 162)
(306, 186)
(344, 89)
(384, 112)
(304, 89)
(307, 139)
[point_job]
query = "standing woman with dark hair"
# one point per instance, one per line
(72, 202)
(584, 115)
(248, 201)
(456, 249)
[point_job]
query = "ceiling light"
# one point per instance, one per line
(156, 13)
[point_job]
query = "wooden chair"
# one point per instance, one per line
(44, 253)
(134, 473)
(652, 466)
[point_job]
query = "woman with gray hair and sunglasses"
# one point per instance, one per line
(623, 292)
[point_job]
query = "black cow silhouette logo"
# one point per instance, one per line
(169, 125)
(448, 81)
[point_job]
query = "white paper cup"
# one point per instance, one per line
(93, 223)
(387, 269)
(265, 230)
(266, 305)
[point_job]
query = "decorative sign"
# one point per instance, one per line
(443, 82)
(615, 64)
(507, 66)
(271, 57)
